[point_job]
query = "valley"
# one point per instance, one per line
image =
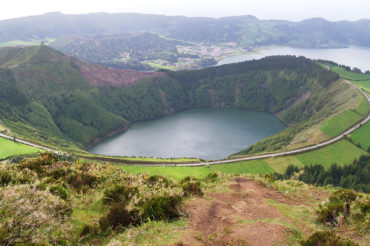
(143, 129)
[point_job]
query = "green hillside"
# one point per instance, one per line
(52, 100)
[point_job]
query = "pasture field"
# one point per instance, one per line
(10, 148)
(362, 136)
(361, 80)
(350, 75)
(364, 85)
(342, 152)
(251, 167)
(339, 123)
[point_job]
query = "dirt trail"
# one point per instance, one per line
(241, 217)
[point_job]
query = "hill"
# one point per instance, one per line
(61, 101)
(244, 30)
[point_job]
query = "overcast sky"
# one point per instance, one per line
(264, 9)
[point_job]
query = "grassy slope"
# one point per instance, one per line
(341, 152)
(252, 167)
(338, 124)
(361, 80)
(10, 148)
(362, 136)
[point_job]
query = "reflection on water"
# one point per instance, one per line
(353, 56)
(208, 134)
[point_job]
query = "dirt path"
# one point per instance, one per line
(241, 217)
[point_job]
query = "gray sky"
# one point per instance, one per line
(263, 9)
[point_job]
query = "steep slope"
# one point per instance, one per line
(47, 92)
(62, 100)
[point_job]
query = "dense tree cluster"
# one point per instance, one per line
(354, 176)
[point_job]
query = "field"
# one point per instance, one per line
(362, 136)
(339, 123)
(10, 148)
(342, 152)
(252, 167)
(361, 80)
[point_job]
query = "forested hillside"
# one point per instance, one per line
(53, 100)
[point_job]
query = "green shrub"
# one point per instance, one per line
(365, 206)
(158, 180)
(329, 213)
(271, 178)
(79, 180)
(59, 191)
(59, 170)
(326, 238)
(34, 164)
(119, 193)
(89, 230)
(39, 163)
(192, 189)
(339, 202)
(118, 216)
(162, 208)
(5, 178)
(211, 177)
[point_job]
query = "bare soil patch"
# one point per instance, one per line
(240, 217)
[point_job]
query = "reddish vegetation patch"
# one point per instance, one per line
(236, 218)
(106, 76)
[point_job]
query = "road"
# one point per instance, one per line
(291, 152)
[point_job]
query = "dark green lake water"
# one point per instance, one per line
(209, 134)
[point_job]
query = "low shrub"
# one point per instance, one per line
(5, 178)
(39, 163)
(89, 230)
(192, 189)
(59, 170)
(339, 203)
(119, 193)
(329, 213)
(79, 180)
(158, 180)
(162, 208)
(187, 179)
(59, 191)
(28, 215)
(211, 177)
(327, 238)
(117, 216)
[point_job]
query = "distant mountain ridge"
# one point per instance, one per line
(244, 30)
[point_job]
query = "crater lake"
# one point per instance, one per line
(207, 134)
